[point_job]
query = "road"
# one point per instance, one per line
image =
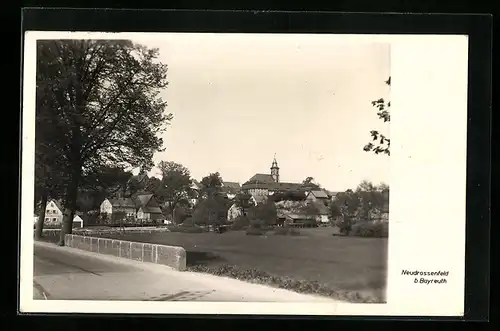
(63, 273)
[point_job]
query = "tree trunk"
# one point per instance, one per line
(172, 209)
(41, 217)
(70, 205)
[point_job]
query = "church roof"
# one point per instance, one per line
(260, 178)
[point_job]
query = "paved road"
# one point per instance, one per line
(64, 273)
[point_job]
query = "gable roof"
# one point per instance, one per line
(58, 204)
(319, 194)
(122, 203)
(142, 200)
(151, 210)
(139, 178)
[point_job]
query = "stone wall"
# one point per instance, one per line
(172, 256)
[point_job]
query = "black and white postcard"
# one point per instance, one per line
(241, 173)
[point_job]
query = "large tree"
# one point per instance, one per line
(310, 183)
(266, 213)
(154, 185)
(371, 198)
(49, 181)
(211, 185)
(49, 168)
(380, 143)
(175, 187)
(211, 210)
(106, 106)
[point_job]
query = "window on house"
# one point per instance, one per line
(46, 219)
(53, 219)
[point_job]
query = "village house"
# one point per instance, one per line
(53, 213)
(290, 218)
(318, 196)
(323, 212)
(126, 205)
(147, 207)
(141, 206)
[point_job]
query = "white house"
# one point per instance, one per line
(233, 212)
(53, 213)
(77, 221)
(110, 206)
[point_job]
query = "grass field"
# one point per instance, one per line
(341, 263)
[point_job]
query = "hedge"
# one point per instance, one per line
(370, 230)
(187, 229)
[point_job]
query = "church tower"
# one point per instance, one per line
(275, 170)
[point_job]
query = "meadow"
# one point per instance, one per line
(343, 264)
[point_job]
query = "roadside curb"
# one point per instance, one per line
(171, 256)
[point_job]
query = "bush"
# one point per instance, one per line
(370, 230)
(240, 223)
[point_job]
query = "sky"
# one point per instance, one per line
(237, 100)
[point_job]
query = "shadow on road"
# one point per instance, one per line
(200, 258)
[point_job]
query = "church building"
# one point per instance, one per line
(260, 186)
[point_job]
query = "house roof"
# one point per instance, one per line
(295, 216)
(140, 177)
(58, 204)
(122, 202)
(319, 194)
(142, 200)
(231, 187)
(152, 210)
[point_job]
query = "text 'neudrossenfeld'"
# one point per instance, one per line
(427, 277)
